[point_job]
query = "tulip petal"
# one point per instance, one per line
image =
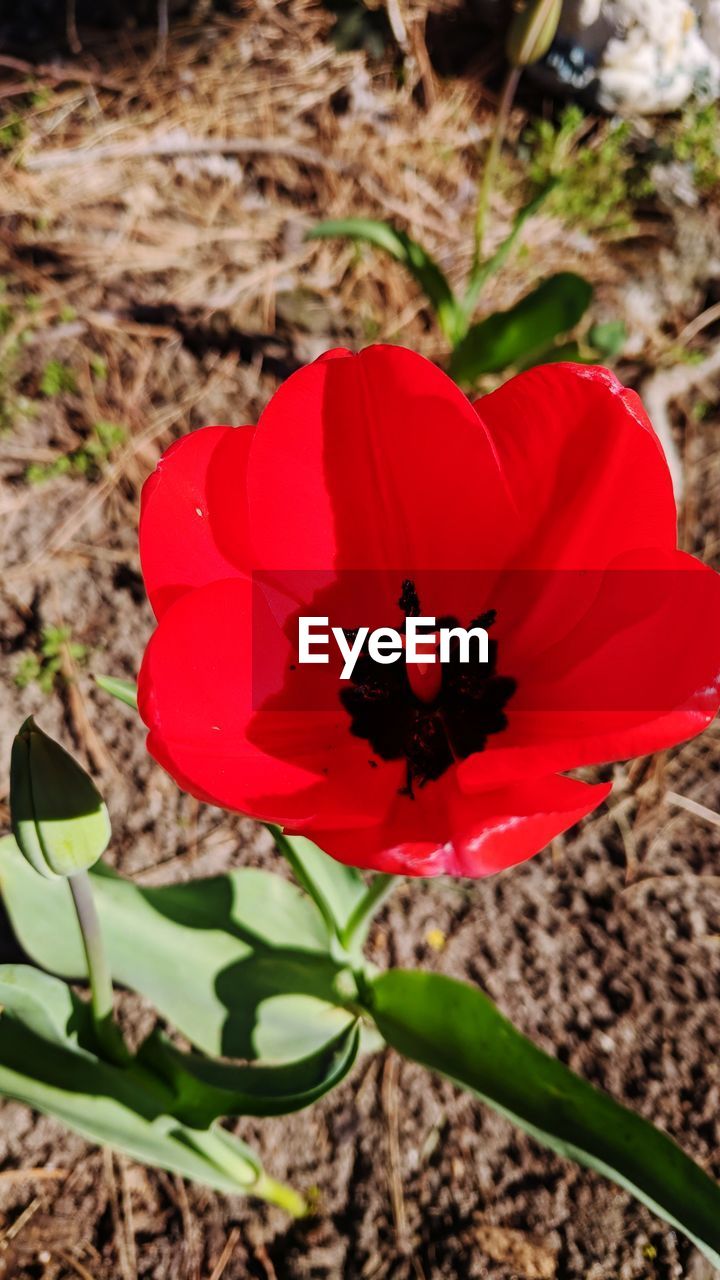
(178, 547)
(200, 698)
(484, 833)
(375, 461)
(584, 466)
(638, 672)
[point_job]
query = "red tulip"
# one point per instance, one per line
(370, 492)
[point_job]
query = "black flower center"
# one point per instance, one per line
(430, 735)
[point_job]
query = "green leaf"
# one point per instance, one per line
(354, 935)
(400, 246)
(204, 1089)
(124, 690)
(557, 352)
(509, 337)
(482, 271)
(335, 888)
(45, 1006)
(608, 339)
(224, 959)
(43, 1065)
(455, 1029)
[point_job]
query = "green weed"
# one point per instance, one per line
(88, 460)
(45, 668)
(57, 378)
(599, 177)
(697, 142)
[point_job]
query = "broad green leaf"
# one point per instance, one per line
(335, 888)
(455, 1029)
(482, 271)
(204, 1089)
(42, 1065)
(211, 954)
(45, 1006)
(400, 246)
(509, 337)
(555, 353)
(124, 690)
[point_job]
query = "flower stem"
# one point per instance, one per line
(101, 991)
(378, 890)
(228, 1154)
(507, 96)
(280, 1194)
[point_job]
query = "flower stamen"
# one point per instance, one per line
(428, 713)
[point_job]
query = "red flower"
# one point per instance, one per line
(372, 491)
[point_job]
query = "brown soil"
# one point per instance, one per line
(189, 278)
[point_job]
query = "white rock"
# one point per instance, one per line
(631, 57)
(657, 58)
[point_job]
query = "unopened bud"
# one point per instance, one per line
(532, 31)
(58, 816)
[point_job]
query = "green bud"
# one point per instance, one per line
(58, 816)
(532, 31)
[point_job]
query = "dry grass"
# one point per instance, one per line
(171, 234)
(163, 208)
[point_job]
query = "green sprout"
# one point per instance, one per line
(6, 313)
(98, 367)
(12, 133)
(57, 378)
(88, 460)
(45, 669)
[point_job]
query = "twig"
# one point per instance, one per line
(120, 1238)
(265, 1261)
(696, 326)
(226, 1255)
(192, 1241)
(22, 1220)
(390, 1107)
(71, 30)
(660, 390)
(163, 29)
(129, 1221)
(619, 817)
(74, 1264)
(693, 806)
(687, 877)
(95, 747)
(60, 74)
(37, 1175)
(64, 157)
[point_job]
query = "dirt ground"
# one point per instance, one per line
(176, 286)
